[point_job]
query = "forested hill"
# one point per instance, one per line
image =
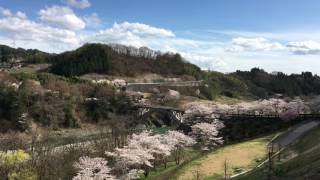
(124, 61)
(264, 84)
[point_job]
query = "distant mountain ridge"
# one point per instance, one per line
(9, 54)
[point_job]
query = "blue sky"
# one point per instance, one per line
(222, 35)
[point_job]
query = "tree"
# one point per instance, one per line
(154, 143)
(129, 157)
(93, 169)
(207, 135)
(177, 141)
(14, 165)
(294, 109)
(144, 150)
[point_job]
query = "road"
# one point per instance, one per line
(295, 133)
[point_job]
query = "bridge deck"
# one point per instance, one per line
(303, 116)
(184, 83)
(263, 116)
(160, 108)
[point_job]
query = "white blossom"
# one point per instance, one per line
(175, 139)
(93, 169)
(144, 149)
(207, 134)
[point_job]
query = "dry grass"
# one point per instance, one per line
(242, 156)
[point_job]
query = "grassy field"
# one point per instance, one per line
(238, 157)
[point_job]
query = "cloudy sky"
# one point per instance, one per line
(222, 35)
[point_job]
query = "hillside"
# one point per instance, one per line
(263, 84)
(99, 58)
(301, 160)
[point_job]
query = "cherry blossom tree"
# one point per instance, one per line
(177, 141)
(153, 143)
(93, 169)
(315, 104)
(144, 150)
(129, 157)
(207, 135)
(294, 109)
(278, 105)
(288, 115)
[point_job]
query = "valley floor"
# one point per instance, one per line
(237, 158)
(240, 157)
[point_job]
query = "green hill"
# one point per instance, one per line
(100, 58)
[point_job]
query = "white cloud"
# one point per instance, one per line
(304, 47)
(142, 30)
(82, 4)
(62, 17)
(93, 20)
(21, 15)
(288, 36)
(30, 34)
(5, 12)
(253, 44)
(135, 34)
(8, 13)
(206, 62)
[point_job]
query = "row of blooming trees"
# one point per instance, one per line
(145, 151)
(285, 109)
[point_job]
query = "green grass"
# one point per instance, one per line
(194, 158)
(240, 157)
(168, 173)
(161, 171)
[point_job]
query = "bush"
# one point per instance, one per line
(13, 166)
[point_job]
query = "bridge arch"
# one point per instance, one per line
(160, 116)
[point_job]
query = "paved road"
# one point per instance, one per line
(295, 133)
